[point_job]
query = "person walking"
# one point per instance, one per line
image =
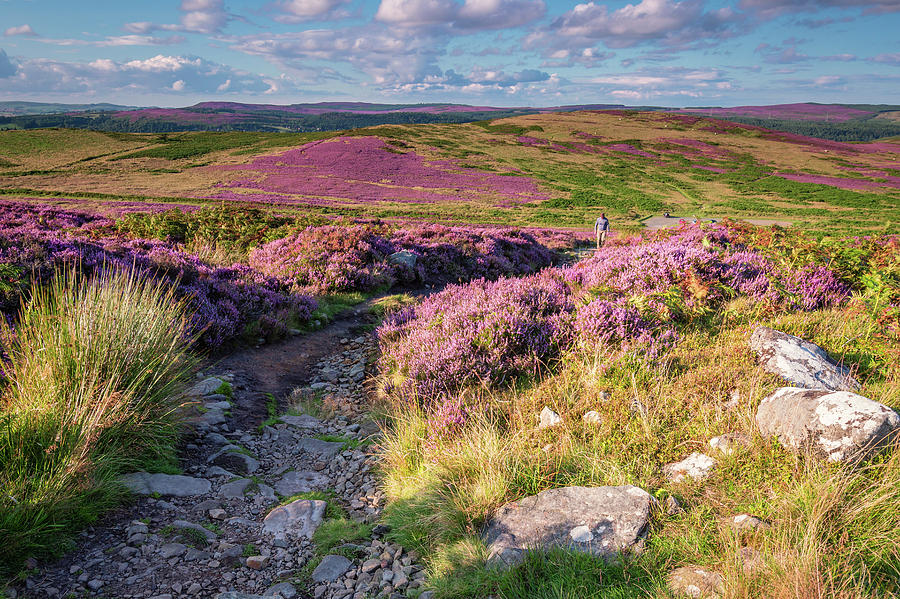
(601, 230)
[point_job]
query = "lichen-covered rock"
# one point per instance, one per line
(837, 425)
(800, 363)
(598, 520)
(548, 418)
(696, 466)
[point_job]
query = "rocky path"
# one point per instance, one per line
(231, 526)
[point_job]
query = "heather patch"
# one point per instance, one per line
(366, 169)
(355, 258)
(804, 111)
(629, 297)
(841, 182)
(226, 302)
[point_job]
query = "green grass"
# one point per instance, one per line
(93, 369)
(192, 145)
(832, 525)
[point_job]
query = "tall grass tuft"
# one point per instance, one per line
(95, 365)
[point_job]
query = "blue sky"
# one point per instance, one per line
(488, 52)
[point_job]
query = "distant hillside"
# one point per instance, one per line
(840, 122)
(234, 116)
(16, 108)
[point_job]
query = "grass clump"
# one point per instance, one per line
(93, 365)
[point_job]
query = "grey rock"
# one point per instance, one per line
(800, 363)
(404, 258)
(237, 595)
(218, 471)
(207, 386)
(216, 439)
(324, 449)
(185, 525)
(696, 466)
(299, 482)
(598, 520)
(694, 581)
(213, 417)
(743, 522)
(299, 518)
(593, 418)
(727, 444)
(330, 568)
(172, 550)
(285, 590)
(235, 461)
(303, 421)
(548, 418)
(217, 405)
(178, 485)
(95, 584)
(235, 489)
(837, 425)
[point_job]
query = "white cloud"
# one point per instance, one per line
(297, 11)
(472, 15)
(118, 40)
(769, 9)
(7, 68)
(198, 16)
(20, 30)
(102, 77)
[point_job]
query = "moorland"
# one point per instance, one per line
(500, 361)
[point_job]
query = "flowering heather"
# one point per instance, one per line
(333, 258)
(366, 169)
(629, 295)
(630, 149)
(225, 301)
(843, 183)
(801, 112)
(480, 333)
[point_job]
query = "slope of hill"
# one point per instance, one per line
(16, 108)
(556, 169)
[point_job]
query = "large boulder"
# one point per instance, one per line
(800, 363)
(598, 520)
(403, 257)
(837, 425)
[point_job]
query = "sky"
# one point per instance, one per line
(482, 52)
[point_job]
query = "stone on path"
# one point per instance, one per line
(598, 520)
(185, 525)
(144, 483)
(235, 489)
(836, 425)
(694, 581)
(172, 550)
(325, 449)
(299, 518)
(800, 363)
(303, 421)
(330, 568)
(299, 482)
(257, 562)
(207, 386)
(549, 418)
(233, 459)
(285, 590)
(237, 595)
(696, 466)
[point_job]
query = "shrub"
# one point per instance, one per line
(93, 366)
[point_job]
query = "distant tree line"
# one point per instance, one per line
(857, 130)
(258, 121)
